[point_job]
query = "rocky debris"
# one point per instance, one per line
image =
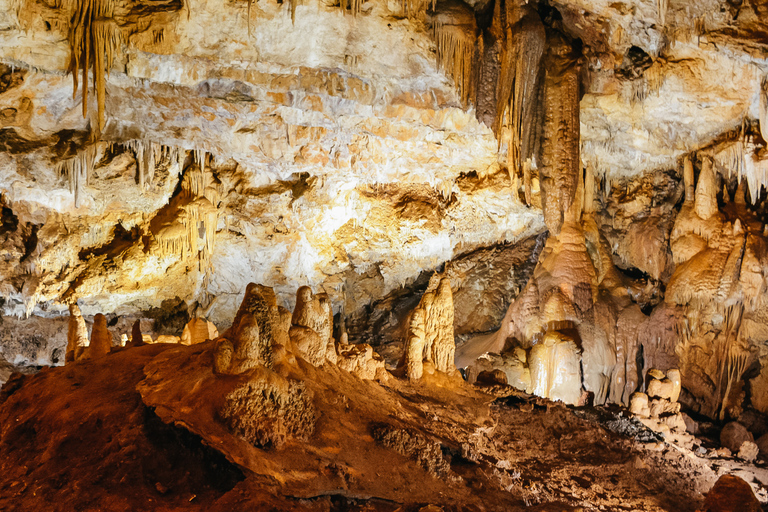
(656, 409)
(734, 435)
(361, 361)
(267, 414)
(731, 494)
(426, 452)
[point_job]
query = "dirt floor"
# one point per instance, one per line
(147, 429)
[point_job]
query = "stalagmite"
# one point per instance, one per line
(415, 345)
(137, 339)
(101, 338)
(312, 326)
(77, 334)
(690, 186)
(255, 333)
(705, 203)
(431, 327)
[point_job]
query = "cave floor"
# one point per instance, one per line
(138, 430)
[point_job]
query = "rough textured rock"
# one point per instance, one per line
(312, 327)
(267, 414)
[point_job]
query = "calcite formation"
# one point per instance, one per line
(393, 156)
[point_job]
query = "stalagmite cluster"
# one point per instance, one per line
(430, 334)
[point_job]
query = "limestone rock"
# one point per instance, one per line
(638, 405)
(512, 364)
(660, 388)
(748, 451)
(762, 445)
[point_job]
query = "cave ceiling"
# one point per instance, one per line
(348, 147)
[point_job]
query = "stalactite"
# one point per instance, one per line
(94, 39)
(662, 6)
(78, 170)
(414, 8)
(763, 93)
(454, 31)
(741, 158)
(352, 6)
(147, 154)
(561, 163)
(518, 88)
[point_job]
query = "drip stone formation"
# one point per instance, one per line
(418, 255)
